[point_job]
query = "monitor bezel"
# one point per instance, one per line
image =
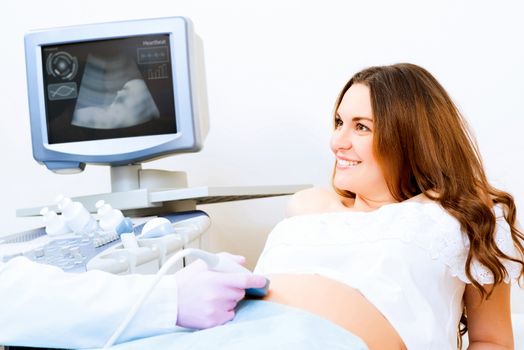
(127, 150)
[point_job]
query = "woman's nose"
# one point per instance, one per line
(341, 139)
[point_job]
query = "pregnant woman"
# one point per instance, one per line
(413, 240)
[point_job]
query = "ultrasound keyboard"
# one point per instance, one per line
(104, 250)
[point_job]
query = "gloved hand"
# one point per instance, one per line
(207, 298)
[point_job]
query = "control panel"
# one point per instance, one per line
(106, 250)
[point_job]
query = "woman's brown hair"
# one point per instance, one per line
(423, 146)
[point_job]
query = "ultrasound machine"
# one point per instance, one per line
(119, 94)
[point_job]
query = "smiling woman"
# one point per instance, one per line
(352, 144)
(412, 239)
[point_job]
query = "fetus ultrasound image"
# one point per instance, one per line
(113, 95)
(109, 89)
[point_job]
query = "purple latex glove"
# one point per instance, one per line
(207, 298)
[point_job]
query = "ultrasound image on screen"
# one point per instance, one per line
(109, 89)
(121, 100)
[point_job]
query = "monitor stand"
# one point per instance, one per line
(133, 177)
(142, 192)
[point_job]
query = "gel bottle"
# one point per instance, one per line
(112, 219)
(54, 224)
(76, 216)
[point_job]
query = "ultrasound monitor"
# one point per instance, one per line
(115, 94)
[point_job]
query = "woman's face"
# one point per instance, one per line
(357, 169)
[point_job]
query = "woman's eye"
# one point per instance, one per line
(361, 127)
(338, 122)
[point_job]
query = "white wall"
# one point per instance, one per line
(274, 68)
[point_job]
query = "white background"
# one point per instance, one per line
(273, 71)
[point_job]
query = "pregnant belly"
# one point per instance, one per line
(338, 303)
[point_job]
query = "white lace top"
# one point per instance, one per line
(408, 259)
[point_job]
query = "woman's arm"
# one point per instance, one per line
(489, 321)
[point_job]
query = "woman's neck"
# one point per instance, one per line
(362, 203)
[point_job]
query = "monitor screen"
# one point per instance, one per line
(108, 89)
(115, 93)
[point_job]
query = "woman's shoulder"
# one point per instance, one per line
(317, 200)
(424, 198)
(314, 200)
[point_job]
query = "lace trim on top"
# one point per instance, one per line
(440, 235)
(455, 253)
